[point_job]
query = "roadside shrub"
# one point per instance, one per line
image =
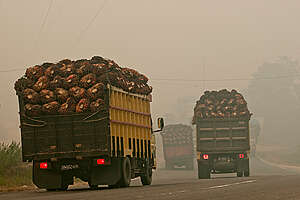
(13, 172)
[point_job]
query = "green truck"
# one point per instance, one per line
(223, 146)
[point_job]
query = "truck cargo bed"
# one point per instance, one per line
(64, 136)
(222, 135)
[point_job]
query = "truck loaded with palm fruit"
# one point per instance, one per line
(178, 146)
(88, 119)
(222, 123)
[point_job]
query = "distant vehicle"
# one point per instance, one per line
(109, 147)
(252, 147)
(178, 146)
(255, 130)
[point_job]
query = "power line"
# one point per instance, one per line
(92, 21)
(44, 21)
(232, 79)
(12, 70)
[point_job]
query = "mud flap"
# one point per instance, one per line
(49, 179)
(203, 170)
(106, 175)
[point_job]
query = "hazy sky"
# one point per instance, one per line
(165, 39)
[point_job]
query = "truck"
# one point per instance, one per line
(108, 147)
(252, 147)
(254, 134)
(178, 146)
(223, 146)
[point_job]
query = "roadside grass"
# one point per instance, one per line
(13, 172)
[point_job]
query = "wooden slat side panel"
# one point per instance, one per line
(215, 135)
(130, 121)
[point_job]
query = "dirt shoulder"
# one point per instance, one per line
(279, 154)
(77, 183)
(17, 188)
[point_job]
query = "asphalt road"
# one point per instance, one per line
(266, 182)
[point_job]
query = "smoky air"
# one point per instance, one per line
(185, 48)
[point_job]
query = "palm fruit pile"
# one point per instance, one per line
(177, 134)
(75, 86)
(221, 104)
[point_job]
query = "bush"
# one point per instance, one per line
(13, 172)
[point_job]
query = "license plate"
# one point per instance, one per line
(69, 167)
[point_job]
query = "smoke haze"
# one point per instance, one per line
(182, 40)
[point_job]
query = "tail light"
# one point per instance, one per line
(241, 156)
(100, 161)
(43, 165)
(205, 157)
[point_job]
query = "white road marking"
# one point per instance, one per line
(232, 184)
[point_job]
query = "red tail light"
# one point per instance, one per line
(44, 165)
(205, 157)
(100, 161)
(241, 156)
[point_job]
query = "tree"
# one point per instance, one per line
(272, 94)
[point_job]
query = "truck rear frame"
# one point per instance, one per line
(109, 147)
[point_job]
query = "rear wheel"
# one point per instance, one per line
(203, 171)
(247, 170)
(146, 178)
(51, 190)
(125, 173)
(239, 174)
(93, 187)
(63, 188)
(114, 186)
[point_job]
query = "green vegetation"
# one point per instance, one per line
(13, 172)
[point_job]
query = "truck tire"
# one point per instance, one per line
(246, 173)
(93, 187)
(146, 178)
(203, 171)
(63, 188)
(114, 186)
(51, 190)
(125, 173)
(239, 173)
(247, 170)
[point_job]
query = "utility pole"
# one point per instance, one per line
(203, 72)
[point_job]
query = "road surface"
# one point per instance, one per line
(266, 182)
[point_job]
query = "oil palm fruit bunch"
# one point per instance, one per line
(177, 134)
(97, 105)
(68, 86)
(51, 108)
(221, 104)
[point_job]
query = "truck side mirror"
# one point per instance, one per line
(161, 123)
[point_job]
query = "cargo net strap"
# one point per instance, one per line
(89, 120)
(42, 123)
